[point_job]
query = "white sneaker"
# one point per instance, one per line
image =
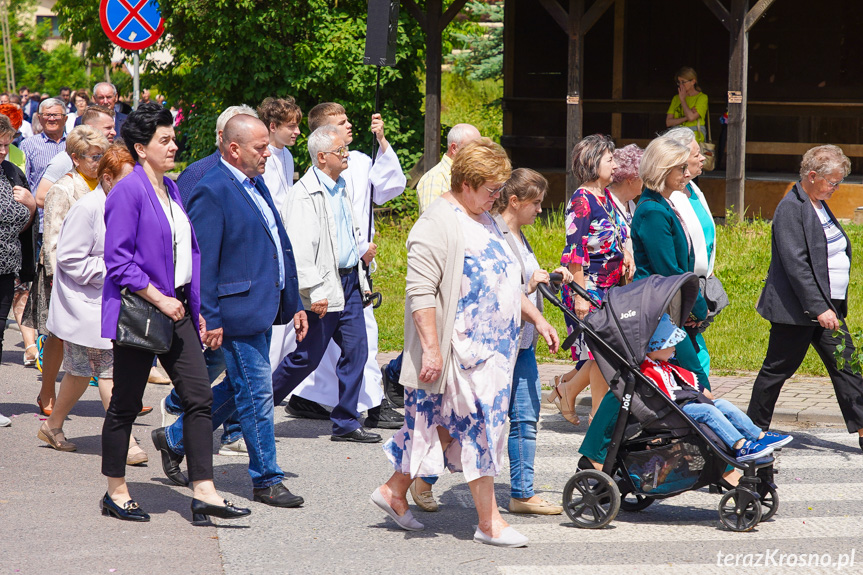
(509, 537)
(168, 418)
(5, 421)
(236, 448)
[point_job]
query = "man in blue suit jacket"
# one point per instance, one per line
(248, 283)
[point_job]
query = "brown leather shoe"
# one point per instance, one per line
(55, 438)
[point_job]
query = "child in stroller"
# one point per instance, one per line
(732, 426)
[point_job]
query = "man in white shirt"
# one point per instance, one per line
(386, 178)
(282, 117)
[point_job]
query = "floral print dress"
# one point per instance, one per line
(474, 404)
(595, 236)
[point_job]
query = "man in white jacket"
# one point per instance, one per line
(386, 178)
(319, 218)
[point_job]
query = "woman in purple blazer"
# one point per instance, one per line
(150, 248)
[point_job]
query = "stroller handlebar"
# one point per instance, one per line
(556, 280)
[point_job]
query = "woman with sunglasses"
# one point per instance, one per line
(689, 107)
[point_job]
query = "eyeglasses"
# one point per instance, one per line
(494, 191)
(94, 157)
(340, 151)
(833, 185)
(51, 116)
(679, 83)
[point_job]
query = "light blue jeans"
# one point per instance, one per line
(248, 393)
(524, 405)
(724, 418)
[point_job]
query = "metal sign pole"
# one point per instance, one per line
(136, 79)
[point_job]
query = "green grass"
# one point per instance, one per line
(477, 103)
(737, 339)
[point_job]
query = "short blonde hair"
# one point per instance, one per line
(824, 160)
(319, 114)
(661, 156)
(82, 138)
(477, 162)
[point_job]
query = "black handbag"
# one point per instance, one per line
(715, 297)
(141, 325)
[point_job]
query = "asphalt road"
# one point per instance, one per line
(50, 521)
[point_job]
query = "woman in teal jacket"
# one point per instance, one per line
(661, 247)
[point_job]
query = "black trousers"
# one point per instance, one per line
(7, 294)
(785, 352)
(185, 364)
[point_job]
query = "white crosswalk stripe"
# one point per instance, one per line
(819, 495)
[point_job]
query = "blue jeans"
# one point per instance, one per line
(248, 391)
(724, 418)
(394, 369)
(215, 359)
(523, 417)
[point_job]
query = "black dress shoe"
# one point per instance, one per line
(277, 495)
(201, 512)
(299, 407)
(170, 460)
(394, 391)
(384, 416)
(128, 512)
(358, 435)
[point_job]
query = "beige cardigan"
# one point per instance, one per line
(61, 196)
(435, 260)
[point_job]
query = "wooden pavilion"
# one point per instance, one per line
(789, 74)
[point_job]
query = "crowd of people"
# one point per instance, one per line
(247, 275)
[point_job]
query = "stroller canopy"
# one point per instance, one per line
(629, 316)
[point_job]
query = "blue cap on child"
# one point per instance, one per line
(666, 335)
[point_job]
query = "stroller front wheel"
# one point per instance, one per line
(740, 510)
(591, 499)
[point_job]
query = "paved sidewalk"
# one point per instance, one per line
(804, 400)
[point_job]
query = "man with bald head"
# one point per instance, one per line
(435, 182)
(248, 284)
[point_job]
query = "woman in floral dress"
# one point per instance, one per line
(462, 316)
(595, 254)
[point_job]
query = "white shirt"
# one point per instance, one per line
(26, 129)
(279, 175)
(838, 264)
(181, 234)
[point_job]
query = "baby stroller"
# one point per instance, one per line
(656, 450)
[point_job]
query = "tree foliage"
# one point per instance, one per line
(483, 57)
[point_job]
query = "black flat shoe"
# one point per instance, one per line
(384, 417)
(277, 496)
(170, 460)
(129, 512)
(201, 512)
(299, 407)
(393, 391)
(358, 435)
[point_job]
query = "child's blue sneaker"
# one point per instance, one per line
(775, 440)
(40, 351)
(753, 450)
(94, 381)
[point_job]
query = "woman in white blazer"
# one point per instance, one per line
(698, 221)
(76, 302)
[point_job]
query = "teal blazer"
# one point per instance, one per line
(660, 244)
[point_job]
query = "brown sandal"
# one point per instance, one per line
(559, 397)
(55, 438)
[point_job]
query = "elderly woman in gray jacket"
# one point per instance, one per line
(805, 295)
(464, 308)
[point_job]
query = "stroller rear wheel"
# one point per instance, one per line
(740, 510)
(591, 499)
(769, 500)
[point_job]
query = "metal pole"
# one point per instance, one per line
(373, 298)
(136, 79)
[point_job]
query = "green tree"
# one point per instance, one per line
(40, 69)
(483, 58)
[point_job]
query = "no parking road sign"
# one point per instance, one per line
(132, 24)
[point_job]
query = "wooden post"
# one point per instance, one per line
(738, 65)
(431, 147)
(574, 110)
(617, 67)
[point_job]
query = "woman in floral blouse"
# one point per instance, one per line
(595, 254)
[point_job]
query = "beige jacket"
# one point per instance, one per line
(61, 196)
(435, 260)
(311, 228)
